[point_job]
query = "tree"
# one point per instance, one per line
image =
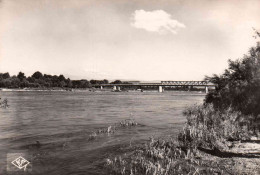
(47, 76)
(6, 75)
(105, 81)
(93, 81)
(21, 76)
(31, 79)
(37, 75)
(239, 86)
(7, 83)
(75, 83)
(69, 83)
(84, 83)
(40, 80)
(61, 78)
(117, 82)
(24, 83)
(62, 84)
(55, 81)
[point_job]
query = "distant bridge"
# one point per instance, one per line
(206, 84)
(185, 83)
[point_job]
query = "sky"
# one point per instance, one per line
(143, 40)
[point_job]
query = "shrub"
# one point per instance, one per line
(238, 88)
(210, 128)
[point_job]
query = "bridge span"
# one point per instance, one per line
(160, 86)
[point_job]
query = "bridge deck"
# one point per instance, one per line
(164, 83)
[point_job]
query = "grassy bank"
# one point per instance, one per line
(208, 144)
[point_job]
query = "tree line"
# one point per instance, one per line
(239, 86)
(39, 80)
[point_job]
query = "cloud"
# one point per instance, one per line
(155, 21)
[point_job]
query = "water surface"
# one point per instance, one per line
(63, 121)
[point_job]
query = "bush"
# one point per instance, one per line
(238, 88)
(210, 128)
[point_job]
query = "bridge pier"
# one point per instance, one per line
(160, 89)
(116, 88)
(207, 89)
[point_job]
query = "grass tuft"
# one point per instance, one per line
(211, 129)
(161, 157)
(4, 103)
(112, 128)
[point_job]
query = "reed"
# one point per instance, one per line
(4, 103)
(161, 157)
(211, 129)
(112, 128)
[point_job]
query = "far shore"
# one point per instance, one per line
(91, 89)
(43, 89)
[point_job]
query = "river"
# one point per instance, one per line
(62, 122)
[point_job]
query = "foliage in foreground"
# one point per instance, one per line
(211, 129)
(238, 87)
(160, 157)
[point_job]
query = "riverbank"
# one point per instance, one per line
(67, 89)
(87, 89)
(211, 142)
(46, 89)
(242, 158)
(34, 89)
(167, 157)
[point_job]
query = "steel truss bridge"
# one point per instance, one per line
(206, 84)
(185, 83)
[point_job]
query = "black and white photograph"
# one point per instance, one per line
(129, 87)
